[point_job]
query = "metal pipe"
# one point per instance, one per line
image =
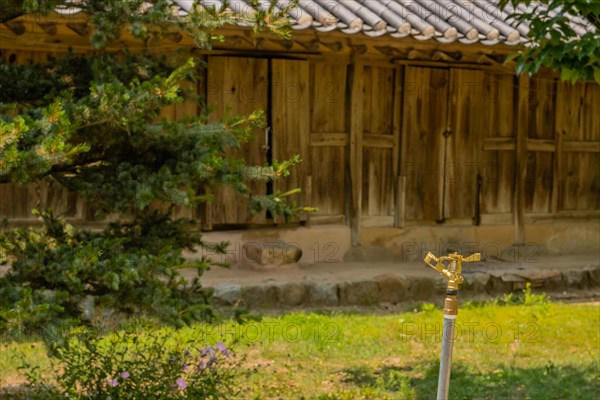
(446, 357)
(452, 272)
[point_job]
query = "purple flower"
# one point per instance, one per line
(112, 382)
(205, 351)
(181, 383)
(221, 347)
(125, 375)
(184, 367)
(201, 366)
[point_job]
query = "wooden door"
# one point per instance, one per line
(468, 124)
(290, 125)
(380, 139)
(425, 122)
(239, 86)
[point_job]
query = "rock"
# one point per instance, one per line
(593, 272)
(270, 255)
(392, 288)
(227, 293)
(359, 293)
(476, 282)
(322, 294)
(292, 294)
(260, 296)
(576, 278)
(422, 288)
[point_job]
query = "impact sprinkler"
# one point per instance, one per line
(452, 272)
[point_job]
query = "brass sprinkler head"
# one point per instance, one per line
(453, 270)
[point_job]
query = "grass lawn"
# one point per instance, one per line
(537, 351)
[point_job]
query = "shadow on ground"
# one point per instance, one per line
(550, 382)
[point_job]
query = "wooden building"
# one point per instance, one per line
(402, 111)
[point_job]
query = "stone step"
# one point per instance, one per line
(396, 288)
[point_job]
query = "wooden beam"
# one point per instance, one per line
(82, 29)
(521, 128)
(16, 27)
(311, 45)
(48, 27)
(174, 37)
(355, 123)
(413, 54)
(446, 56)
(286, 44)
(336, 47)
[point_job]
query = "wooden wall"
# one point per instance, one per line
(385, 144)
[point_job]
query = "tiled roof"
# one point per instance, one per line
(464, 21)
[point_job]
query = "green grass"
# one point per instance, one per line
(535, 351)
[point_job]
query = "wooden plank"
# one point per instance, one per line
(355, 122)
(380, 141)
(400, 202)
(498, 176)
(378, 181)
(541, 145)
(521, 127)
(499, 105)
(538, 182)
(378, 100)
(328, 174)
(490, 144)
(581, 147)
(397, 132)
(542, 109)
(556, 181)
(327, 98)
(6, 200)
(328, 139)
(290, 125)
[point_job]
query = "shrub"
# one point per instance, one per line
(129, 365)
(62, 276)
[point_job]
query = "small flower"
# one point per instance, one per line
(201, 366)
(181, 383)
(125, 375)
(221, 347)
(185, 367)
(112, 382)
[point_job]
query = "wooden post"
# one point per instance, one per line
(521, 130)
(355, 125)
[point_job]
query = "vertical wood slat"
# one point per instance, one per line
(521, 122)
(397, 132)
(355, 124)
